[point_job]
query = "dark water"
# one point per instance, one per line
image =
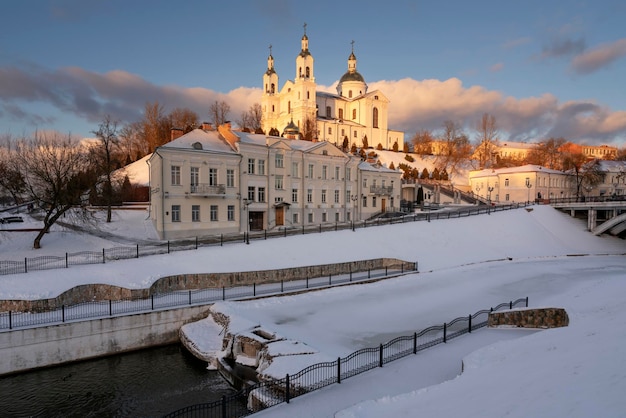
(145, 383)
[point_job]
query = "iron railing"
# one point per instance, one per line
(166, 247)
(268, 393)
(12, 320)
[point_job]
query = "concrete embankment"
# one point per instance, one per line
(31, 348)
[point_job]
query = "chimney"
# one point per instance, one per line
(206, 126)
(175, 133)
(226, 133)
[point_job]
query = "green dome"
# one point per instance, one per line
(354, 76)
(291, 128)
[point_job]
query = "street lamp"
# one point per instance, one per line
(354, 198)
(529, 186)
(477, 193)
(246, 203)
(489, 190)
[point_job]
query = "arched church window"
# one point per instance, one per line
(328, 111)
(273, 109)
(341, 114)
(308, 95)
(289, 107)
(266, 89)
(300, 72)
(308, 72)
(353, 114)
(273, 88)
(350, 94)
(375, 117)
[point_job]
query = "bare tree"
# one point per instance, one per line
(309, 129)
(219, 112)
(131, 144)
(183, 118)
(154, 126)
(547, 153)
(586, 173)
(487, 140)
(57, 174)
(103, 157)
(423, 142)
(455, 149)
(11, 178)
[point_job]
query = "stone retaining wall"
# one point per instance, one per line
(103, 292)
(530, 318)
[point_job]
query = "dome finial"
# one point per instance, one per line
(352, 46)
(304, 28)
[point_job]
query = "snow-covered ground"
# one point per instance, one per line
(465, 265)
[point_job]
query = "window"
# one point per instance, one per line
(310, 218)
(350, 93)
(506, 182)
(212, 176)
(230, 177)
(337, 169)
(337, 196)
(195, 178)
(354, 134)
(343, 132)
(250, 165)
(324, 217)
(375, 117)
(348, 174)
(294, 195)
(347, 196)
(278, 182)
(311, 170)
(348, 216)
(231, 212)
(328, 111)
(330, 130)
(175, 213)
(213, 213)
(365, 183)
(309, 195)
(288, 107)
(336, 216)
(251, 193)
(324, 172)
(323, 195)
(295, 218)
(364, 201)
(195, 213)
(175, 175)
(295, 172)
(261, 194)
(373, 201)
(279, 161)
(506, 197)
(341, 114)
(261, 167)
(278, 199)
(353, 114)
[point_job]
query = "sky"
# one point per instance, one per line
(542, 68)
(466, 264)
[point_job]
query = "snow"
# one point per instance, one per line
(465, 265)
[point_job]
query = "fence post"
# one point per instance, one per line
(110, 308)
(470, 324)
(330, 279)
(368, 273)
(511, 305)
(282, 286)
(385, 270)
(287, 394)
(137, 256)
(223, 292)
(25, 265)
(254, 289)
(10, 321)
(320, 228)
(66, 265)
(196, 242)
(307, 282)
(445, 329)
(190, 297)
(302, 229)
(350, 272)
(338, 369)
(415, 343)
(380, 356)
(168, 246)
(62, 313)
(285, 232)
(265, 231)
(527, 301)
(103, 256)
(152, 302)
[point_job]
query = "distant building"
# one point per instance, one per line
(219, 181)
(601, 152)
(353, 114)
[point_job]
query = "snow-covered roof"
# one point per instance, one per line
(199, 139)
(528, 168)
(366, 166)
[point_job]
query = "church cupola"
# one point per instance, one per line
(351, 84)
(270, 78)
(304, 61)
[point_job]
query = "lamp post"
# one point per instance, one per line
(477, 193)
(489, 190)
(246, 203)
(354, 198)
(529, 186)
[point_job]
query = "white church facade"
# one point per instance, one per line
(351, 117)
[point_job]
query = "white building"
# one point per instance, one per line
(353, 113)
(210, 182)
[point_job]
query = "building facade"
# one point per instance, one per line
(210, 182)
(352, 115)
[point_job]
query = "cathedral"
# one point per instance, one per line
(353, 116)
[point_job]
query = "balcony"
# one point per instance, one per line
(203, 189)
(381, 190)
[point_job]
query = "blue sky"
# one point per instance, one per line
(542, 68)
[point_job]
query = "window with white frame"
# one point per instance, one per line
(311, 170)
(294, 195)
(278, 182)
(337, 196)
(323, 195)
(279, 160)
(337, 170)
(324, 172)
(195, 213)
(373, 201)
(250, 165)
(261, 194)
(194, 178)
(175, 213)
(251, 193)
(364, 201)
(309, 195)
(261, 167)
(213, 213)
(324, 217)
(336, 216)
(311, 217)
(175, 171)
(230, 177)
(212, 176)
(506, 183)
(295, 170)
(295, 218)
(230, 210)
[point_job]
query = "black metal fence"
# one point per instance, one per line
(166, 247)
(269, 393)
(109, 308)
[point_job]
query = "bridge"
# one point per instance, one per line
(603, 214)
